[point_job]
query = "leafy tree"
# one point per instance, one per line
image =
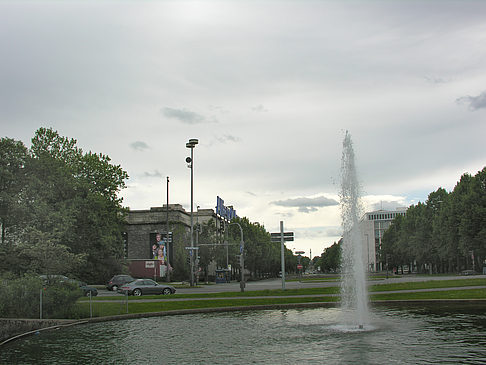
(57, 196)
(331, 257)
(445, 234)
(13, 156)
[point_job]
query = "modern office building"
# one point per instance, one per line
(372, 227)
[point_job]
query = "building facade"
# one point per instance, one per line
(372, 227)
(148, 248)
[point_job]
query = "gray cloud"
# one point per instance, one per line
(336, 231)
(228, 138)
(436, 80)
(475, 102)
(156, 173)
(307, 205)
(386, 205)
(259, 108)
(139, 146)
(185, 116)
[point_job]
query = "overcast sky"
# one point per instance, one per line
(269, 89)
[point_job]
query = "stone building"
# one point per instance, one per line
(144, 228)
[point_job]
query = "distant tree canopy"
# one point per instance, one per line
(56, 198)
(262, 256)
(330, 259)
(447, 233)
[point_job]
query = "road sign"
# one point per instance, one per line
(191, 248)
(276, 237)
(300, 267)
(299, 252)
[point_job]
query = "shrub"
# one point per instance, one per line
(20, 298)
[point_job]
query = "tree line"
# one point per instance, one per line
(262, 256)
(445, 234)
(59, 209)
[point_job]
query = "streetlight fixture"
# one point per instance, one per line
(190, 160)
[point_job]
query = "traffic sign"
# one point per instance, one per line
(276, 237)
(300, 267)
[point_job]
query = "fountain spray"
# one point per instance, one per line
(354, 298)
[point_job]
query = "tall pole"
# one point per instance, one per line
(192, 212)
(196, 273)
(282, 249)
(191, 144)
(167, 234)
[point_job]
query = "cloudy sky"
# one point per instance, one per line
(269, 89)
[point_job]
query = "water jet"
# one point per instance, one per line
(354, 298)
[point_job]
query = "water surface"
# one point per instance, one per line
(438, 335)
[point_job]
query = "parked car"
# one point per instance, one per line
(145, 287)
(468, 272)
(118, 280)
(87, 290)
(51, 279)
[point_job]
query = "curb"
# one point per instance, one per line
(36, 331)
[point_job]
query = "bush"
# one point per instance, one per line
(20, 298)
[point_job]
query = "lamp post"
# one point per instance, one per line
(196, 274)
(242, 257)
(191, 144)
(167, 234)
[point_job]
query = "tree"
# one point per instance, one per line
(13, 156)
(447, 233)
(64, 199)
(331, 257)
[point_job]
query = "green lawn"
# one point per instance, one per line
(254, 293)
(428, 284)
(447, 294)
(117, 305)
(110, 309)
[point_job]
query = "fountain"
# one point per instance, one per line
(354, 298)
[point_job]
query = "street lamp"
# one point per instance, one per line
(190, 160)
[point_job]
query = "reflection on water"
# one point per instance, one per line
(310, 336)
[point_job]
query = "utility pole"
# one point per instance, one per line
(282, 253)
(191, 144)
(167, 234)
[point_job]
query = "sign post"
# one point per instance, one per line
(282, 237)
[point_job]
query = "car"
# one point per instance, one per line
(118, 280)
(145, 287)
(468, 272)
(87, 290)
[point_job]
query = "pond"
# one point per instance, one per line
(411, 335)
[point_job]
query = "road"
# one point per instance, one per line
(270, 284)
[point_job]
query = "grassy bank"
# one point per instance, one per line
(428, 284)
(108, 306)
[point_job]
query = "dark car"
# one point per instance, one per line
(145, 287)
(118, 280)
(87, 290)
